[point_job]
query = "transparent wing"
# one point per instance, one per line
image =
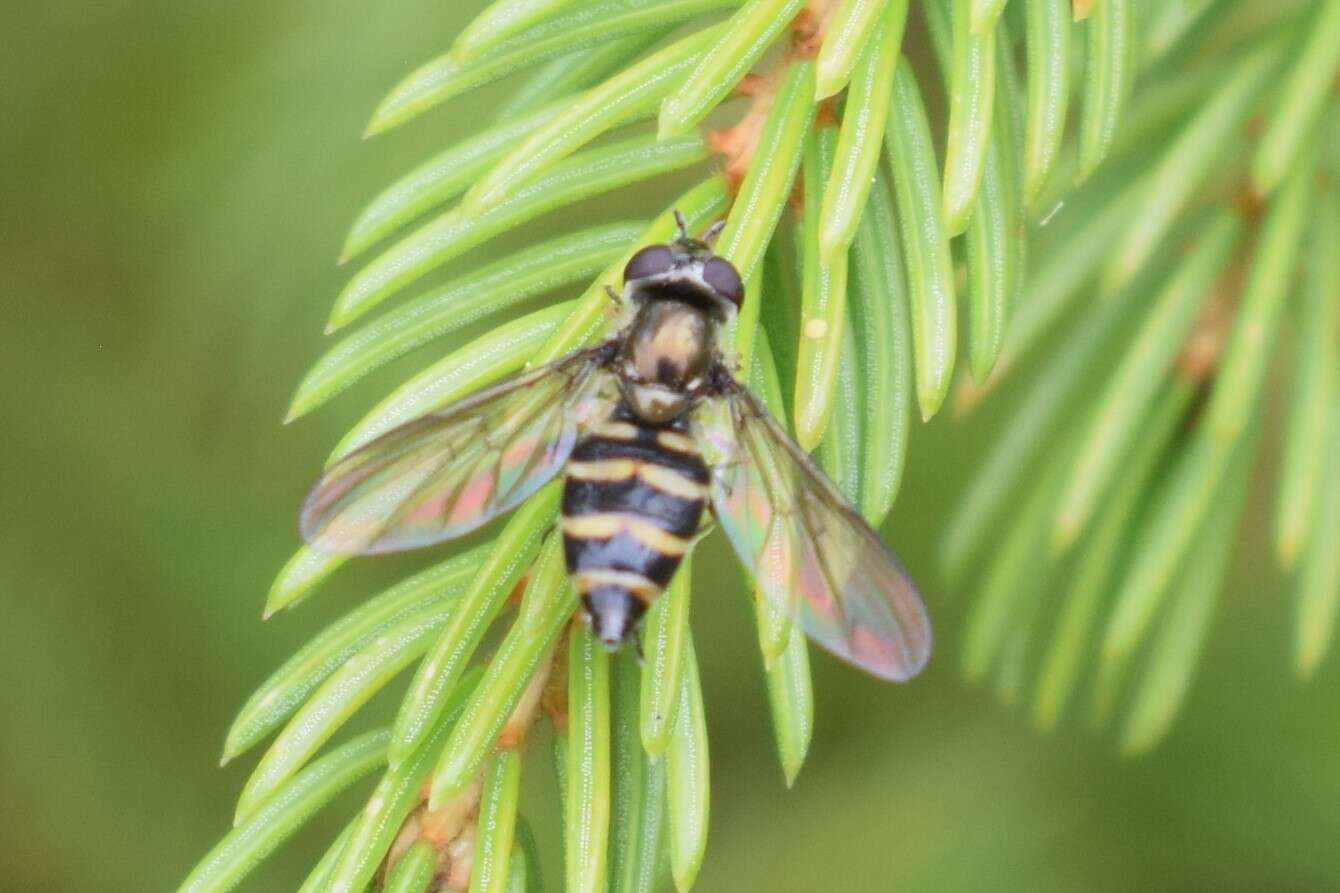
(451, 471)
(808, 549)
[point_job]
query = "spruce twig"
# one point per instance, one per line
(1173, 117)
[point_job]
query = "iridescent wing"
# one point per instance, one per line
(808, 549)
(451, 471)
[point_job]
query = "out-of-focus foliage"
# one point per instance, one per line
(1108, 506)
(163, 254)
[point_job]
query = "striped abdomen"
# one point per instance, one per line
(632, 500)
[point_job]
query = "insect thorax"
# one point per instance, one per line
(668, 349)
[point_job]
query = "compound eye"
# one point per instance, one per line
(650, 261)
(724, 279)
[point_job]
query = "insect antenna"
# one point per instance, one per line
(682, 224)
(713, 231)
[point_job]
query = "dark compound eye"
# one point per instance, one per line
(725, 281)
(650, 261)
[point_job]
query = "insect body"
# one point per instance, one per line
(632, 499)
(649, 428)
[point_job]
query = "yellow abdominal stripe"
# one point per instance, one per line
(638, 585)
(617, 431)
(673, 440)
(667, 480)
(604, 470)
(613, 471)
(605, 525)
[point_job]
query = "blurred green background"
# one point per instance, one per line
(176, 179)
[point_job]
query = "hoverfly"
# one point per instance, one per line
(648, 428)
